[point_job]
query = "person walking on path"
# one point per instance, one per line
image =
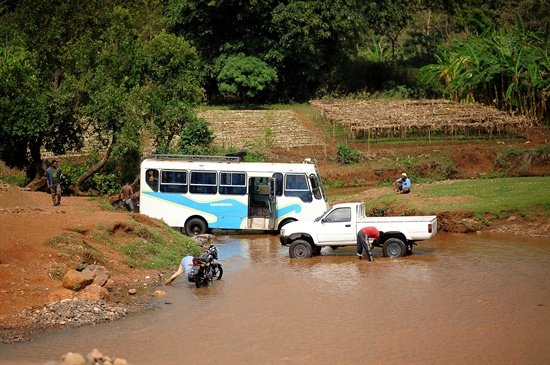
(402, 185)
(363, 245)
(127, 195)
(53, 176)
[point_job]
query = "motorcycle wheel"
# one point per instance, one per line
(199, 281)
(217, 271)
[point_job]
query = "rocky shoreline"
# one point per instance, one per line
(93, 358)
(67, 313)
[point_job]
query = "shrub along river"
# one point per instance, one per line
(461, 299)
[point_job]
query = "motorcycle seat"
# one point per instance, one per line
(205, 258)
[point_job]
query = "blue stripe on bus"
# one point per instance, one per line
(231, 211)
(297, 208)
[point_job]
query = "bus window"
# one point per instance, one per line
(203, 182)
(278, 183)
(233, 183)
(296, 185)
(152, 179)
(315, 186)
(173, 182)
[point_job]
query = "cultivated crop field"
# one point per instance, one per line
(402, 118)
(245, 129)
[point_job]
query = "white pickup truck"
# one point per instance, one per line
(340, 224)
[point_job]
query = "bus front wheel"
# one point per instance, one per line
(195, 226)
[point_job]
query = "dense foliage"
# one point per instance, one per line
(78, 75)
(105, 74)
(509, 69)
(245, 76)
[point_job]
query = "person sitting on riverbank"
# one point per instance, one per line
(402, 185)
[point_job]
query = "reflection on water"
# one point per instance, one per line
(460, 299)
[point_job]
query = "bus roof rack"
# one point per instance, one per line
(226, 158)
(239, 154)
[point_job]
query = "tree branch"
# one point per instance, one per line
(76, 187)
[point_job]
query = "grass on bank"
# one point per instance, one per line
(141, 246)
(494, 197)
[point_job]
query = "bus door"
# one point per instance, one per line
(258, 198)
(272, 202)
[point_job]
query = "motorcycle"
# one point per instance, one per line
(205, 270)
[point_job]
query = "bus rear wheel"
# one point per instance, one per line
(195, 226)
(284, 223)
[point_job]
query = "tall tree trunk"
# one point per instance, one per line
(36, 170)
(76, 187)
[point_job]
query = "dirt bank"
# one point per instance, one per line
(29, 276)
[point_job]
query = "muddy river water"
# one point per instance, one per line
(460, 299)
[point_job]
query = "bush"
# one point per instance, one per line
(71, 171)
(20, 181)
(107, 183)
(195, 138)
(347, 155)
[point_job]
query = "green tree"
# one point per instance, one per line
(303, 40)
(246, 76)
(171, 87)
(389, 18)
(24, 109)
(47, 31)
(75, 72)
(103, 82)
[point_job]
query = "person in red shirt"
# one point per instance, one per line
(363, 246)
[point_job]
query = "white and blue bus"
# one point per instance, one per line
(201, 193)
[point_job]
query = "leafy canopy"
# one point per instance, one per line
(246, 76)
(91, 73)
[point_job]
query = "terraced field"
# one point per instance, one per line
(244, 129)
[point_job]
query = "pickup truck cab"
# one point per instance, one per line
(339, 226)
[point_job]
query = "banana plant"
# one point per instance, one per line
(505, 68)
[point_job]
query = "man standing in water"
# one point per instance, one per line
(53, 177)
(363, 246)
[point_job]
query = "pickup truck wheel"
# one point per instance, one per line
(300, 249)
(394, 247)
